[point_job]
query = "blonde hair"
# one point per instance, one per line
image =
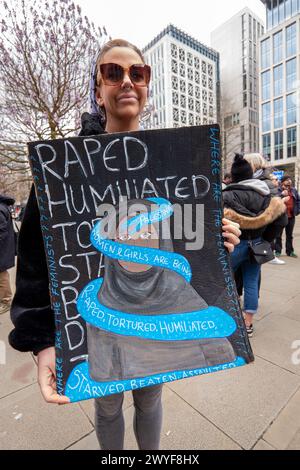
(256, 161)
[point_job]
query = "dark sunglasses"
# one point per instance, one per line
(113, 74)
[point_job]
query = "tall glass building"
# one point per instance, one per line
(237, 41)
(280, 86)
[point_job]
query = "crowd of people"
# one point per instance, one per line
(261, 206)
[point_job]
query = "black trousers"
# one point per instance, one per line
(289, 237)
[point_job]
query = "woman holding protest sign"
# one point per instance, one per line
(119, 88)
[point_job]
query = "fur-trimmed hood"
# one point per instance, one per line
(275, 209)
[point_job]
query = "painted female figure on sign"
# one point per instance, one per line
(144, 317)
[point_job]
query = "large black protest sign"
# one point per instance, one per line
(140, 282)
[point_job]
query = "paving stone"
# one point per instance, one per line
(273, 340)
(291, 309)
(295, 444)
(263, 445)
(17, 370)
(281, 285)
(241, 402)
(28, 423)
(89, 442)
(183, 428)
(271, 302)
(282, 432)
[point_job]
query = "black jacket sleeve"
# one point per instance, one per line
(31, 311)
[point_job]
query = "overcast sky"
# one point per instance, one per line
(139, 21)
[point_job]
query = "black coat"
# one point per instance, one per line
(252, 206)
(7, 236)
(31, 311)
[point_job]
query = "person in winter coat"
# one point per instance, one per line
(118, 94)
(248, 201)
(292, 201)
(7, 251)
(262, 172)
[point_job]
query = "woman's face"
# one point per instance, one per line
(123, 103)
(146, 237)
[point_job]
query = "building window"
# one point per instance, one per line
(197, 63)
(204, 109)
(190, 59)
(291, 74)
(182, 86)
(174, 52)
(175, 114)
(211, 98)
(191, 119)
(243, 27)
(265, 53)
(204, 95)
(198, 121)
(174, 82)
(245, 101)
(181, 55)
(174, 66)
(291, 142)
(288, 8)
(278, 113)
(278, 139)
(190, 89)
(182, 101)
(190, 73)
(275, 13)
(175, 98)
(278, 80)
(181, 69)
(291, 109)
(291, 40)
(281, 11)
(242, 131)
(204, 80)
(295, 7)
(265, 85)
(266, 117)
(250, 26)
(183, 116)
(267, 147)
(197, 92)
(250, 50)
(269, 15)
(210, 84)
(191, 104)
(203, 66)
(277, 47)
(210, 70)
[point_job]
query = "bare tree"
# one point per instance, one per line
(45, 52)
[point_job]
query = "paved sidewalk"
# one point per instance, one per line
(252, 407)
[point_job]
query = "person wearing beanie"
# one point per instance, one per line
(248, 201)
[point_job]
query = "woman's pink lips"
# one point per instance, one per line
(127, 97)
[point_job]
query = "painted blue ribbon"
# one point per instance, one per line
(211, 322)
(141, 255)
(80, 386)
